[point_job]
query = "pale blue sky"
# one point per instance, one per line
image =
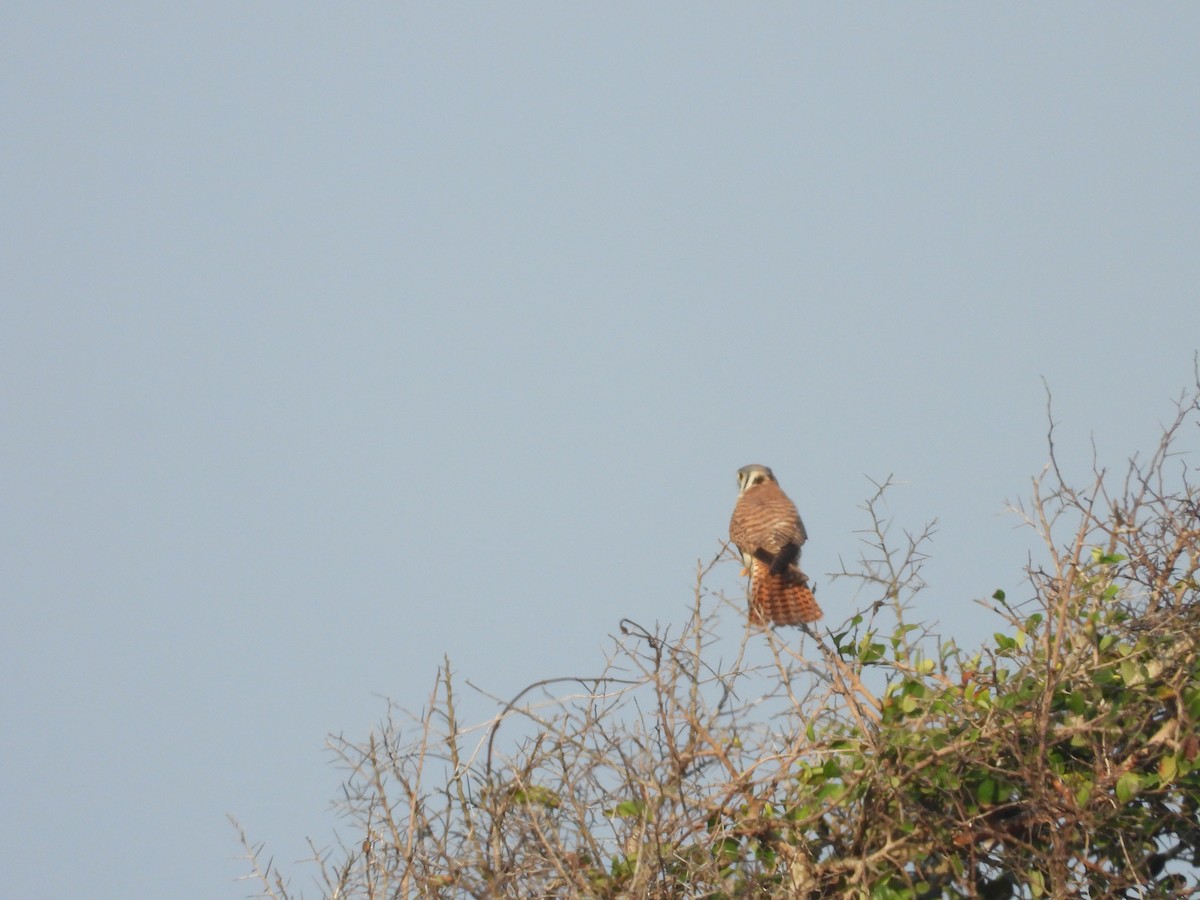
(339, 337)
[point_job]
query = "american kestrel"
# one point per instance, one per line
(767, 530)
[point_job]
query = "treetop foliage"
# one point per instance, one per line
(872, 760)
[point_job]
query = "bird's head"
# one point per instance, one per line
(749, 476)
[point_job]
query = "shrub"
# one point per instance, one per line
(1061, 759)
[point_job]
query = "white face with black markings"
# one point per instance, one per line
(749, 476)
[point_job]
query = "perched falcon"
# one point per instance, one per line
(767, 530)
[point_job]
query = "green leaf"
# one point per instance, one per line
(986, 792)
(537, 795)
(1037, 884)
(1083, 794)
(628, 809)
(1131, 672)
(1191, 699)
(1075, 702)
(1128, 786)
(1168, 768)
(831, 789)
(869, 653)
(623, 866)
(727, 851)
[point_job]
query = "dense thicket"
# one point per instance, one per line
(876, 760)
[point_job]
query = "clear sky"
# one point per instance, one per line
(338, 337)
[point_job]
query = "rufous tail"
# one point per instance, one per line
(784, 599)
